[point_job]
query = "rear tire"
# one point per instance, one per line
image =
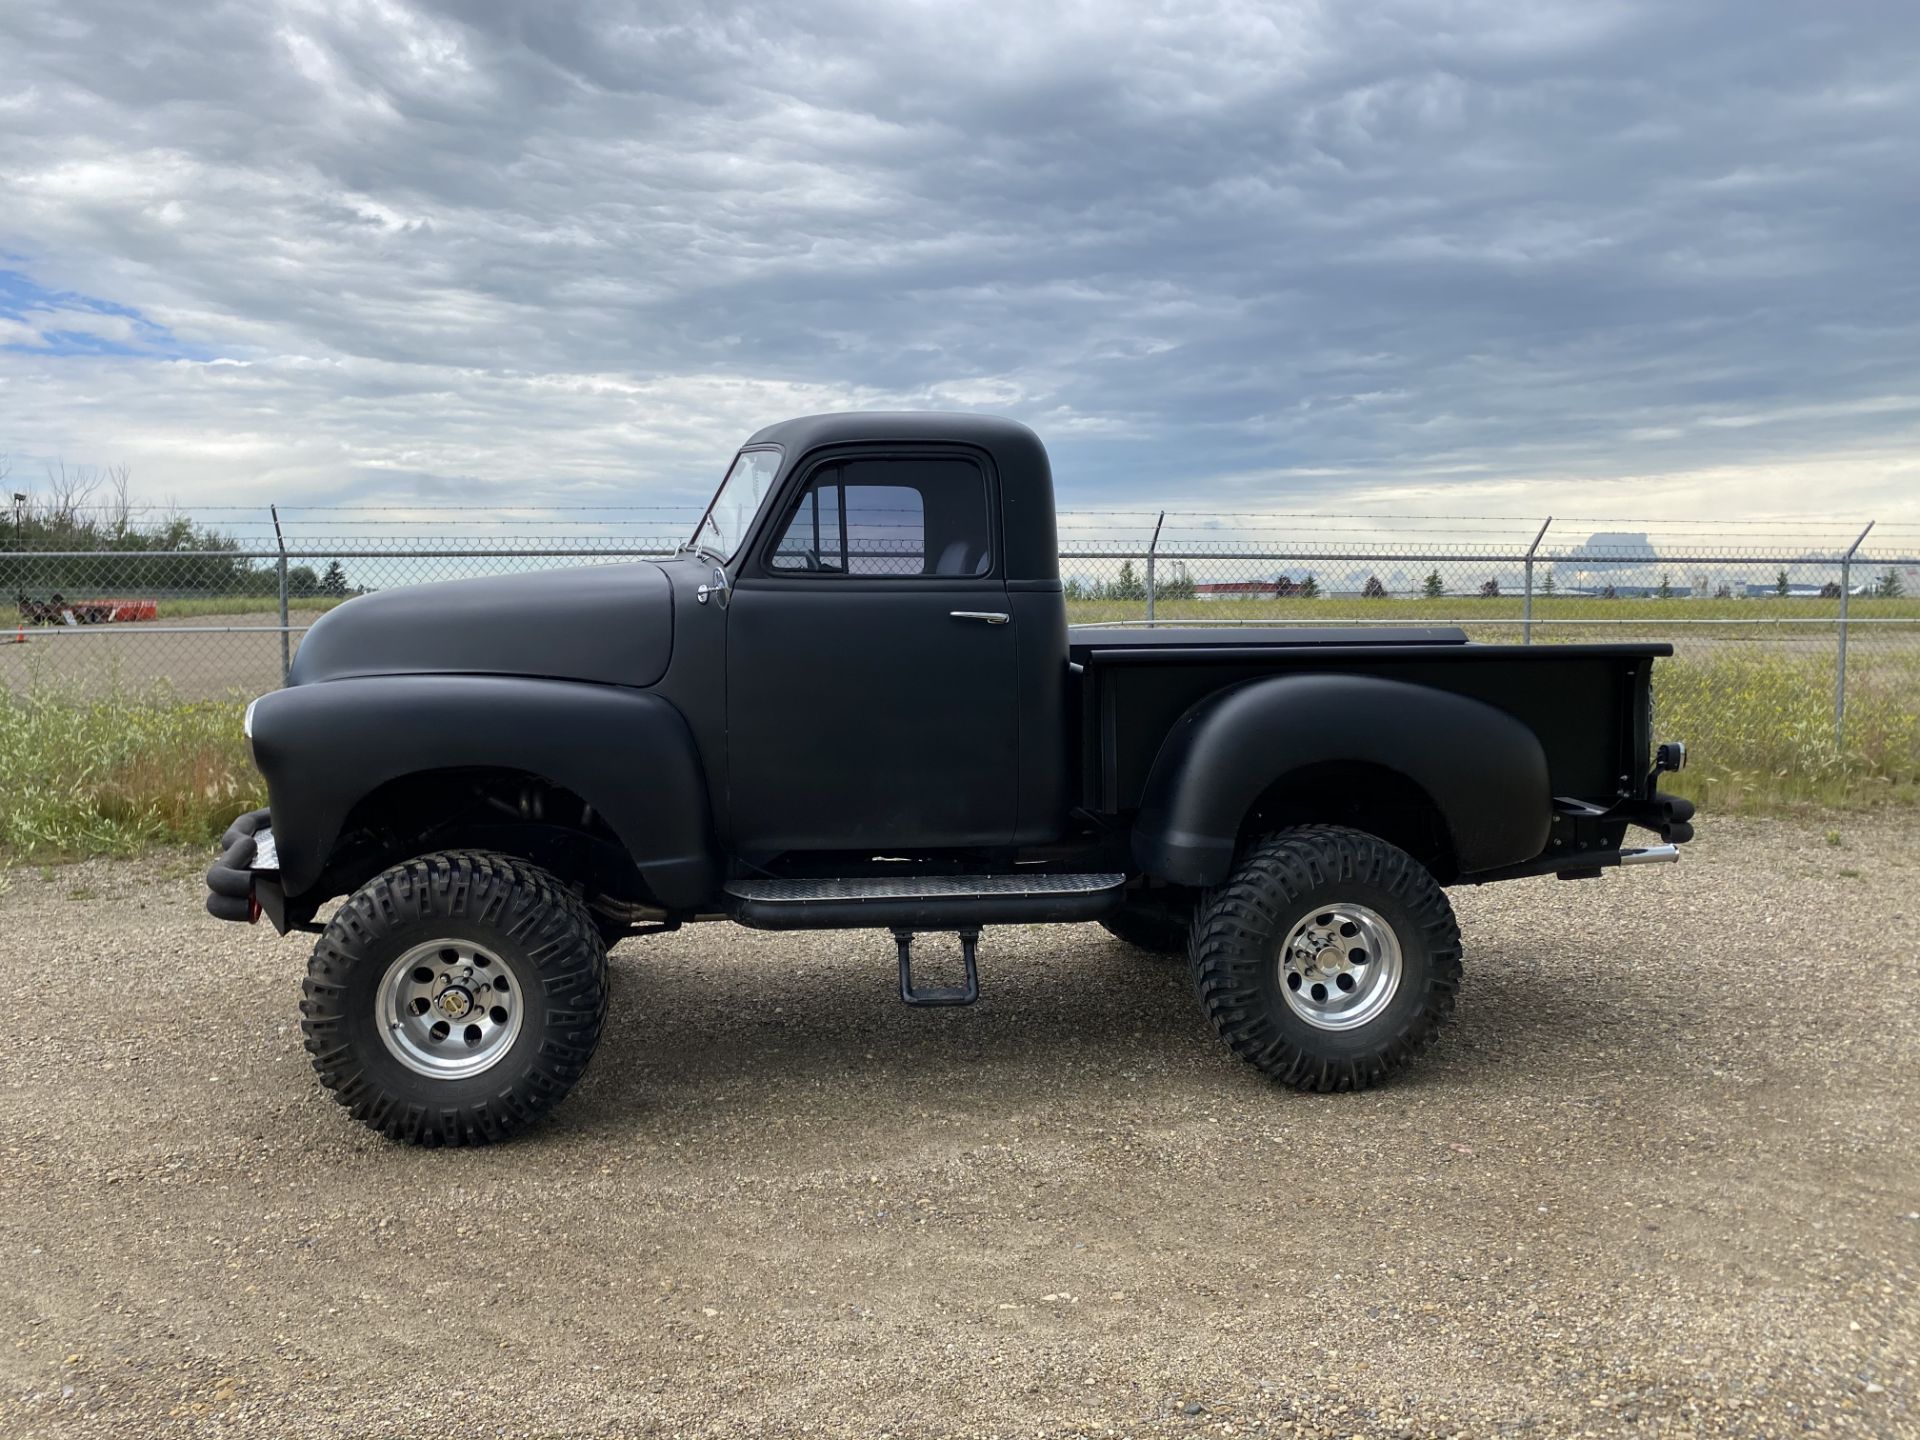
(455, 999)
(1328, 959)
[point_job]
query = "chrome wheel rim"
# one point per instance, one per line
(448, 1009)
(1340, 966)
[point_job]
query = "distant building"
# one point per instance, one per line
(1796, 590)
(1246, 589)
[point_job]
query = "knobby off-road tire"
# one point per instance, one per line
(455, 999)
(1328, 959)
(1154, 926)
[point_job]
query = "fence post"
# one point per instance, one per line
(286, 637)
(1526, 603)
(1153, 547)
(1840, 652)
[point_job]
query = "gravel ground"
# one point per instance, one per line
(1660, 1176)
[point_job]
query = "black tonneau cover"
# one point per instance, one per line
(1083, 640)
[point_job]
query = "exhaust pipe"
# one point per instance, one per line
(1578, 864)
(1651, 855)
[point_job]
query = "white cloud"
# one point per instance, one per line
(1276, 255)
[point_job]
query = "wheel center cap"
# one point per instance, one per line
(454, 1002)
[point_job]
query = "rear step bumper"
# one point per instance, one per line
(929, 902)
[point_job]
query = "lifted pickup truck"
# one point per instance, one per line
(852, 700)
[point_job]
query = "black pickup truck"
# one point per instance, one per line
(853, 700)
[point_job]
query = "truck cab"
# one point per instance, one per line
(894, 633)
(852, 700)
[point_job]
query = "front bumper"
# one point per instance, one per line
(244, 883)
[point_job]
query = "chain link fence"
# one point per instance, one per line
(1797, 643)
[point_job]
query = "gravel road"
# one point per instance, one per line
(1660, 1177)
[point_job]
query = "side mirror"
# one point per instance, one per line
(718, 590)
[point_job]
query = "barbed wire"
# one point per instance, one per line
(694, 507)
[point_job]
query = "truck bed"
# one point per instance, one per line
(1589, 704)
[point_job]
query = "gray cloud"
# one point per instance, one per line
(1215, 252)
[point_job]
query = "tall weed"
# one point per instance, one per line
(111, 774)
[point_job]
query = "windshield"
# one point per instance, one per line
(737, 502)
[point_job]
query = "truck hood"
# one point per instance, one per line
(607, 623)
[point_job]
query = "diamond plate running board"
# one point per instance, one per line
(922, 902)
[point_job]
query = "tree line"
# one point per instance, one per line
(85, 508)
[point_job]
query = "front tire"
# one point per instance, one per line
(1328, 959)
(455, 999)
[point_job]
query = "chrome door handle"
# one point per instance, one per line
(992, 617)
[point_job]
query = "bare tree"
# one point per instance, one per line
(119, 515)
(68, 492)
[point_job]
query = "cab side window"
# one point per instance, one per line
(889, 517)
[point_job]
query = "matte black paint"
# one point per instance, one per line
(1113, 643)
(1485, 772)
(1587, 704)
(696, 681)
(1048, 738)
(862, 714)
(926, 913)
(627, 753)
(608, 623)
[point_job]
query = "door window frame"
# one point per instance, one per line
(807, 470)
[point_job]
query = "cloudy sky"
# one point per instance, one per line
(1607, 258)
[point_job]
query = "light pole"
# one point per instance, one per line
(19, 539)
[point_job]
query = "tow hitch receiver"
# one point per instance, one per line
(931, 995)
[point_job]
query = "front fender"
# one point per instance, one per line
(324, 747)
(1483, 769)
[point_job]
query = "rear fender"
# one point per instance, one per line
(324, 747)
(1484, 771)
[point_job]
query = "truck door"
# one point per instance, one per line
(870, 661)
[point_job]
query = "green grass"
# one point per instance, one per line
(1759, 729)
(114, 774)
